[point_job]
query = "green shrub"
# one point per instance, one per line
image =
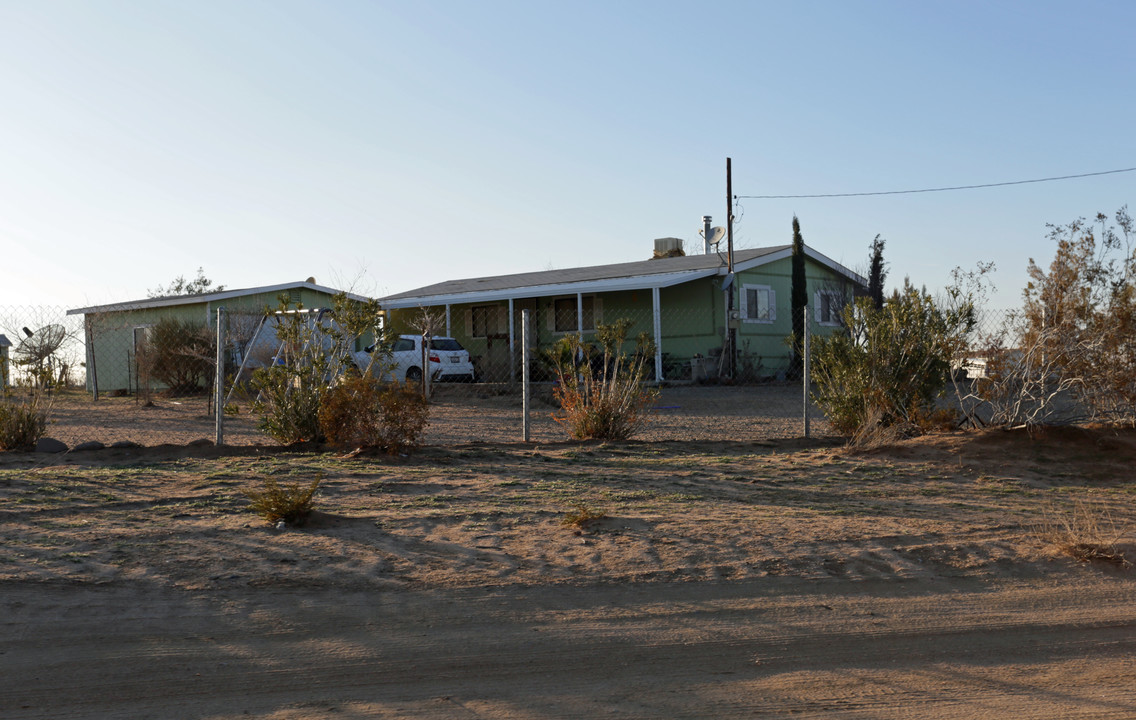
(361, 412)
(315, 353)
(22, 423)
(179, 354)
(288, 403)
(601, 389)
(886, 370)
(291, 503)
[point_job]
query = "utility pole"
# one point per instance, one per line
(731, 331)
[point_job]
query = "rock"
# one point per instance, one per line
(125, 444)
(200, 442)
(89, 445)
(50, 445)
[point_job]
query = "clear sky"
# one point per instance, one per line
(390, 145)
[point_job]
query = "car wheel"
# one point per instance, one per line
(414, 374)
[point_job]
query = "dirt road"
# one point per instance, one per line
(1059, 647)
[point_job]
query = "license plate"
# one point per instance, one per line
(455, 359)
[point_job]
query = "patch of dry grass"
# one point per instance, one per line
(1086, 533)
(582, 516)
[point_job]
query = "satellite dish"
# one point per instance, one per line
(41, 344)
(38, 349)
(716, 235)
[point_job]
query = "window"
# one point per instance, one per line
(489, 321)
(564, 317)
(448, 344)
(402, 345)
(141, 340)
(828, 304)
(759, 304)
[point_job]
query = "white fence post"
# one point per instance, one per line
(219, 380)
(805, 345)
(525, 373)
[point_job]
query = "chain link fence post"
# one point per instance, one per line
(219, 380)
(805, 351)
(525, 390)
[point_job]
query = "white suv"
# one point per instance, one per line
(448, 360)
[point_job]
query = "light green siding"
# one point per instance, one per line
(692, 320)
(111, 352)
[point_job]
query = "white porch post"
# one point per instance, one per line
(658, 334)
(580, 314)
(512, 356)
(449, 333)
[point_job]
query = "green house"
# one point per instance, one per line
(681, 302)
(115, 333)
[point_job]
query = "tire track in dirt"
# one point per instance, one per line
(915, 649)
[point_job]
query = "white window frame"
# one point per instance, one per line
(838, 301)
(772, 296)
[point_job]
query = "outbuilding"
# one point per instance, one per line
(116, 333)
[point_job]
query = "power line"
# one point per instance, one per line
(938, 189)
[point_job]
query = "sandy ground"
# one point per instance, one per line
(760, 579)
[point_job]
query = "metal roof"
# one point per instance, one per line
(172, 300)
(642, 274)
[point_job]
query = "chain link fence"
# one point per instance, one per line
(149, 378)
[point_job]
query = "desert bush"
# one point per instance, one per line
(362, 412)
(581, 516)
(316, 354)
(22, 423)
(890, 365)
(1085, 533)
(1068, 355)
(1080, 316)
(291, 503)
(288, 401)
(601, 389)
(179, 354)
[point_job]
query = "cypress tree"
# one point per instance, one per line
(877, 273)
(799, 295)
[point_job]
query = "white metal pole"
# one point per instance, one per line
(805, 373)
(426, 365)
(512, 346)
(219, 380)
(658, 328)
(525, 372)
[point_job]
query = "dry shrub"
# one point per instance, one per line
(601, 390)
(22, 423)
(1086, 533)
(179, 354)
(291, 503)
(582, 516)
(362, 412)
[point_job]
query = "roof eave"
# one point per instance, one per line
(207, 298)
(640, 282)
